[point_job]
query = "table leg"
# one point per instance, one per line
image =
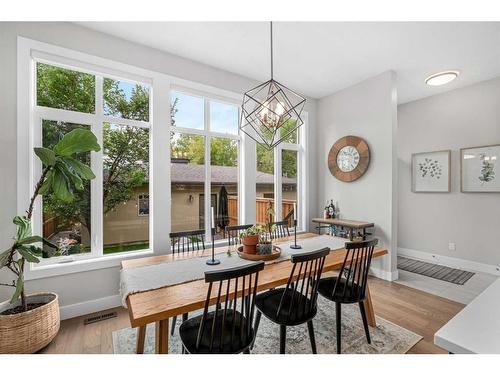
(162, 337)
(370, 314)
(141, 336)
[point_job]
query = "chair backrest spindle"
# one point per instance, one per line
(278, 229)
(240, 285)
(301, 290)
(186, 241)
(353, 275)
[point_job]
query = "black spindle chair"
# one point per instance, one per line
(350, 285)
(297, 302)
(233, 233)
(191, 240)
(225, 330)
(183, 242)
(278, 229)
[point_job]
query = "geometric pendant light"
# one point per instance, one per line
(271, 111)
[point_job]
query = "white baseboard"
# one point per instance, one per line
(89, 307)
(450, 261)
(383, 274)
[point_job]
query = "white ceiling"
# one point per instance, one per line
(318, 59)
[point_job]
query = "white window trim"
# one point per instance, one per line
(159, 190)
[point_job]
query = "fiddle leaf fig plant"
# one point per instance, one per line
(62, 175)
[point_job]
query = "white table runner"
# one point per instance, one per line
(141, 279)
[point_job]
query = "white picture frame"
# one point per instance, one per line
(431, 172)
(480, 169)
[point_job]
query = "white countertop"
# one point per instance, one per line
(475, 329)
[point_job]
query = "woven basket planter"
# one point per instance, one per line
(30, 331)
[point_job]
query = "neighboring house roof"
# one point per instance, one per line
(193, 173)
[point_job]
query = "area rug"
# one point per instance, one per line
(451, 275)
(387, 337)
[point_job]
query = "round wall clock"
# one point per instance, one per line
(349, 158)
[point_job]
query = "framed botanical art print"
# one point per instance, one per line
(430, 172)
(480, 169)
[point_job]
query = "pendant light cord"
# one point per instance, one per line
(271, 31)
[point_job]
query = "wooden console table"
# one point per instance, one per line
(344, 223)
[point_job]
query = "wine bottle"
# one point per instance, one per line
(331, 210)
(325, 211)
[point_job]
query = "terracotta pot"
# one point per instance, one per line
(250, 244)
(30, 331)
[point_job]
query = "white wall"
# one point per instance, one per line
(428, 222)
(367, 110)
(101, 284)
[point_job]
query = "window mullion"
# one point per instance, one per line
(277, 183)
(96, 195)
(208, 170)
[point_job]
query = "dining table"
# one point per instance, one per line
(160, 304)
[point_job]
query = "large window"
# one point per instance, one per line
(102, 219)
(203, 128)
(125, 209)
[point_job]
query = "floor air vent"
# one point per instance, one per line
(99, 317)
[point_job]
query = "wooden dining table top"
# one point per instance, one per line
(163, 303)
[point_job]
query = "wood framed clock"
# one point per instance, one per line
(349, 158)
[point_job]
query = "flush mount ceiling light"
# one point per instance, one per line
(442, 78)
(271, 111)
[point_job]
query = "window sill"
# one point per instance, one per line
(83, 265)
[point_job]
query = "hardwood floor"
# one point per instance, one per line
(420, 312)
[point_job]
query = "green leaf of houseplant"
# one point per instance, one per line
(60, 186)
(23, 227)
(4, 257)
(35, 239)
(77, 140)
(26, 254)
(83, 170)
(47, 156)
(47, 184)
(71, 174)
(19, 289)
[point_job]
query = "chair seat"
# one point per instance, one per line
(268, 302)
(352, 293)
(232, 342)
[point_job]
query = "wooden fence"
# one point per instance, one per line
(263, 205)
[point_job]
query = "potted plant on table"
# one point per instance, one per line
(250, 239)
(30, 322)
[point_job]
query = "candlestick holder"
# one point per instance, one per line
(212, 261)
(295, 246)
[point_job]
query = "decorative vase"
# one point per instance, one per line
(28, 332)
(265, 248)
(250, 244)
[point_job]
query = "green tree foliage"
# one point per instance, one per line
(126, 150)
(65, 89)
